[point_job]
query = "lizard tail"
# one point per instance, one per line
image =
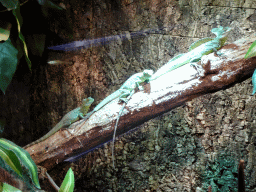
(117, 120)
(114, 135)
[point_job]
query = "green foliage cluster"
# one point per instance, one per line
(14, 156)
(252, 53)
(19, 161)
(19, 38)
(13, 46)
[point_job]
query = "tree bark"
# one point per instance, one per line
(159, 96)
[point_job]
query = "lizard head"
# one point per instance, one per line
(88, 101)
(147, 74)
(221, 34)
(221, 31)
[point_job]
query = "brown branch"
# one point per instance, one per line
(241, 177)
(159, 96)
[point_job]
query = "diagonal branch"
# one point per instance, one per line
(159, 96)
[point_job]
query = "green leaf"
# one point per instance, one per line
(24, 158)
(6, 187)
(254, 82)
(251, 51)
(8, 63)
(68, 183)
(4, 34)
(11, 159)
(10, 4)
(16, 13)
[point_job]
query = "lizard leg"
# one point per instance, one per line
(215, 50)
(140, 87)
(219, 53)
(88, 115)
(198, 68)
(125, 94)
(81, 115)
(195, 65)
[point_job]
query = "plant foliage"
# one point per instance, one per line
(68, 182)
(11, 153)
(8, 63)
(251, 51)
(22, 40)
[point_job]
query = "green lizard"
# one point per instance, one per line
(196, 51)
(125, 90)
(68, 119)
(124, 93)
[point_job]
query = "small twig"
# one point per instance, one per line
(53, 184)
(241, 182)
